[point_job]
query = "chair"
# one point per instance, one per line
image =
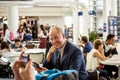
(37, 57)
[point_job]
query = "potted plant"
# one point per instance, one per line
(93, 36)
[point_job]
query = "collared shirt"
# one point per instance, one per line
(61, 51)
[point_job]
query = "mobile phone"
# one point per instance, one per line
(25, 58)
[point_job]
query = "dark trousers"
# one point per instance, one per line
(110, 69)
(104, 73)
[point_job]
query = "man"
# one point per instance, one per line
(109, 51)
(87, 46)
(17, 44)
(110, 41)
(63, 55)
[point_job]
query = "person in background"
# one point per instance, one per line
(41, 31)
(6, 33)
(17, 44)
(86, 45)
(6, 51)
(94, 57)
(66, 31)
(34, 31)
(110, 49)
(109, 45)
(42, 36)
(20, 32)
(27, 35)
(64, 55)
(5, 47)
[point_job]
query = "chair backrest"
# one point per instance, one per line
(37, 57)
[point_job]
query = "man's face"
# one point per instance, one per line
(57, 39)
(17, 44)
(112, 41)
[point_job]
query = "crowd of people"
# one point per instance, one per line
(64, 55)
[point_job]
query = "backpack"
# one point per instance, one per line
(55, 74)
(93, 75)
(12, 37)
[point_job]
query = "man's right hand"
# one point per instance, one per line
(50, 52)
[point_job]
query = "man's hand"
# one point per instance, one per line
(50, 52)
(27, 73)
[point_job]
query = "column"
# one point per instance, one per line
(113, 7)
(13, 18)
(85, 22)
(105, 18)
(75, 25)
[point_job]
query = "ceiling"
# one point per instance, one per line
(44, 3)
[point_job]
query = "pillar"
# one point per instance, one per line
(75, 25)
(113, 7)
(105, 18)
(13, 18)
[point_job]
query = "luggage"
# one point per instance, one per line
(58, 75)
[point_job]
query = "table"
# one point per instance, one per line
(35, 50)
(36, 45)
(115, 60)
(13, 56)
(37, 42)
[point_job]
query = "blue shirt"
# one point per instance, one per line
(14, 47)
(88, 47)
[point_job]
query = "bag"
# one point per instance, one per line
(58, 75)
(93, 75)
(5, 69)
(12, 37)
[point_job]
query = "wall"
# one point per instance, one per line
(58, 20)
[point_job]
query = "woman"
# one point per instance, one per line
(6, 33)
(20, 32)
(7, 52)
(5, 48)
(94, 57)
(42, 34)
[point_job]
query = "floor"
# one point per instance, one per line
(6, 79)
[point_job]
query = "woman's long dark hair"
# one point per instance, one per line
(5, 45)
(43, 29)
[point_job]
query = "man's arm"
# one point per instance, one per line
(47, 62)
(76, 60)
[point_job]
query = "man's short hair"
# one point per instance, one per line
(85, 39)
(17, 40)
(59, 29)
(110, 36)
